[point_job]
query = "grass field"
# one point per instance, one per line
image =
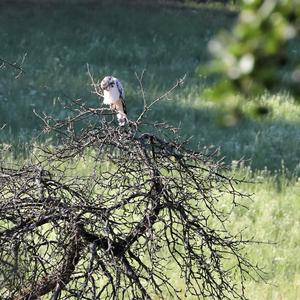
(167, 43)
(123, 40)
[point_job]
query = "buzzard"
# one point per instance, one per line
(114, 96)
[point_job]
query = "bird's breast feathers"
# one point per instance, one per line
(114, 93)
(111, 96)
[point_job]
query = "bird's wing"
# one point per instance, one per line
(124, 106)
(120, 88)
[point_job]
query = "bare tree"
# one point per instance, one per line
(145, 207)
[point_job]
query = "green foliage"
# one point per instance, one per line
(261, 52)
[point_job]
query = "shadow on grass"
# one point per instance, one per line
(271, 144)
(122, 40)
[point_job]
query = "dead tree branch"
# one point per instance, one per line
(113, 213)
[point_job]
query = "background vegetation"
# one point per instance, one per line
(257, 54)
(123, 40)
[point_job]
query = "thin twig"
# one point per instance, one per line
(178, 83)
(96, 86)
(15, 65)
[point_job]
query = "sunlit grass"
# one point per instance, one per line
(272, 216)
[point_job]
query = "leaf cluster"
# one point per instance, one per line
(259, 53)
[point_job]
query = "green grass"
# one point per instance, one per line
(121, 40)
(273, 216)
(167, 43)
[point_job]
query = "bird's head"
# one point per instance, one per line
(107, 83)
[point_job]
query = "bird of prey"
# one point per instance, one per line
(114, 96)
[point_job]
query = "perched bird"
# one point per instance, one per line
(114, 95)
